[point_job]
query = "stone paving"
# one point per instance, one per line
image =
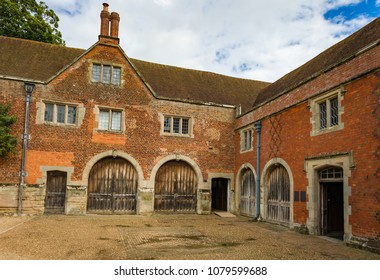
(160, 237)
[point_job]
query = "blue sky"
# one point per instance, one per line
(255, 39)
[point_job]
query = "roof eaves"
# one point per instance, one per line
(315, 75)
(20, 79)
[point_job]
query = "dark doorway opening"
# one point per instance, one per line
(332, 222)
(219, 190)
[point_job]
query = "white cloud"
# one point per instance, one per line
(253, 39)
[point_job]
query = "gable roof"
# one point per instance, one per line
(36, 61)
(330, 58)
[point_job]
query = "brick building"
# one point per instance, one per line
(105, 133)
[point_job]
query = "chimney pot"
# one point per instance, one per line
(105, 7)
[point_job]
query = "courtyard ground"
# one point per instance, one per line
(162, 237)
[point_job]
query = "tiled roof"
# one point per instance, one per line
(33, 60)
(328, 59)
(38, 61)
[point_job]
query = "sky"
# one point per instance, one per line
(253, 39)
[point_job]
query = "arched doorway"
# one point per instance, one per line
(247, 193)
(175, 188)
(331, 202)
(278, 199)
(112, 186)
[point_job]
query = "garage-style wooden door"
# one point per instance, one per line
(55, 191)
(279, 196)
(247, 194)
(175, 188)
(112, 186)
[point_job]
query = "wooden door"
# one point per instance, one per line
(112, 186)
(219, 191)
(248, 194)
(332, 216)
(278, 202)
(175, 188)
(55, 191)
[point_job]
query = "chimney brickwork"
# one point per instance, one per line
(109, 26)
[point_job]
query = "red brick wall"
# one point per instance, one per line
(361, 121)
(51, 145)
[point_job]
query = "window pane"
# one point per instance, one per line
(334, 119)
(61, 113)
(116, 121)
(176, 125)
(49, 112)
(185, 126)
(96, 72)
(116, 76)
(106, 74)
(103, 120)
(167, 124)
(71, 114)
(249, 139)
(322, 115)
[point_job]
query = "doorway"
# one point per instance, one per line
(219, 190)
(331, 203)
(55, 192)
(175, 188)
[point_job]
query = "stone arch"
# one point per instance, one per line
(238, 183)
(265, 177)
(112, 153)
(187, 161)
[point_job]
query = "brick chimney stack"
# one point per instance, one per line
(109, 26)
(104, 21)
(115, 19)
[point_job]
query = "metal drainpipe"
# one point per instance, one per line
(25, 137)
(258, 135)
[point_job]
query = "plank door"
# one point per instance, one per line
(248, 194)
(175, 188)
(55, 191)
(112, 186)
(278, 202)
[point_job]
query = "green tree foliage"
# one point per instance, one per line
(8, 142)
(28, 19)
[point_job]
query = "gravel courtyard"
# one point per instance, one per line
(161, 237)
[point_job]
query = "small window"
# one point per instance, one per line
(246, 140)
(326, 113)
(176, 125)
(110, 119)
(60, 113)
(106, 74)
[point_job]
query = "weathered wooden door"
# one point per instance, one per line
(279, 196)
(175, 188)
(112, 186)
(219, 191)
(248, 194)
(55, 191)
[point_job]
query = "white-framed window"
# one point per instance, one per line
(326, 113)
(106, 74)
(246, 140)
(58, 113)
(110, 119)
(175, 125)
